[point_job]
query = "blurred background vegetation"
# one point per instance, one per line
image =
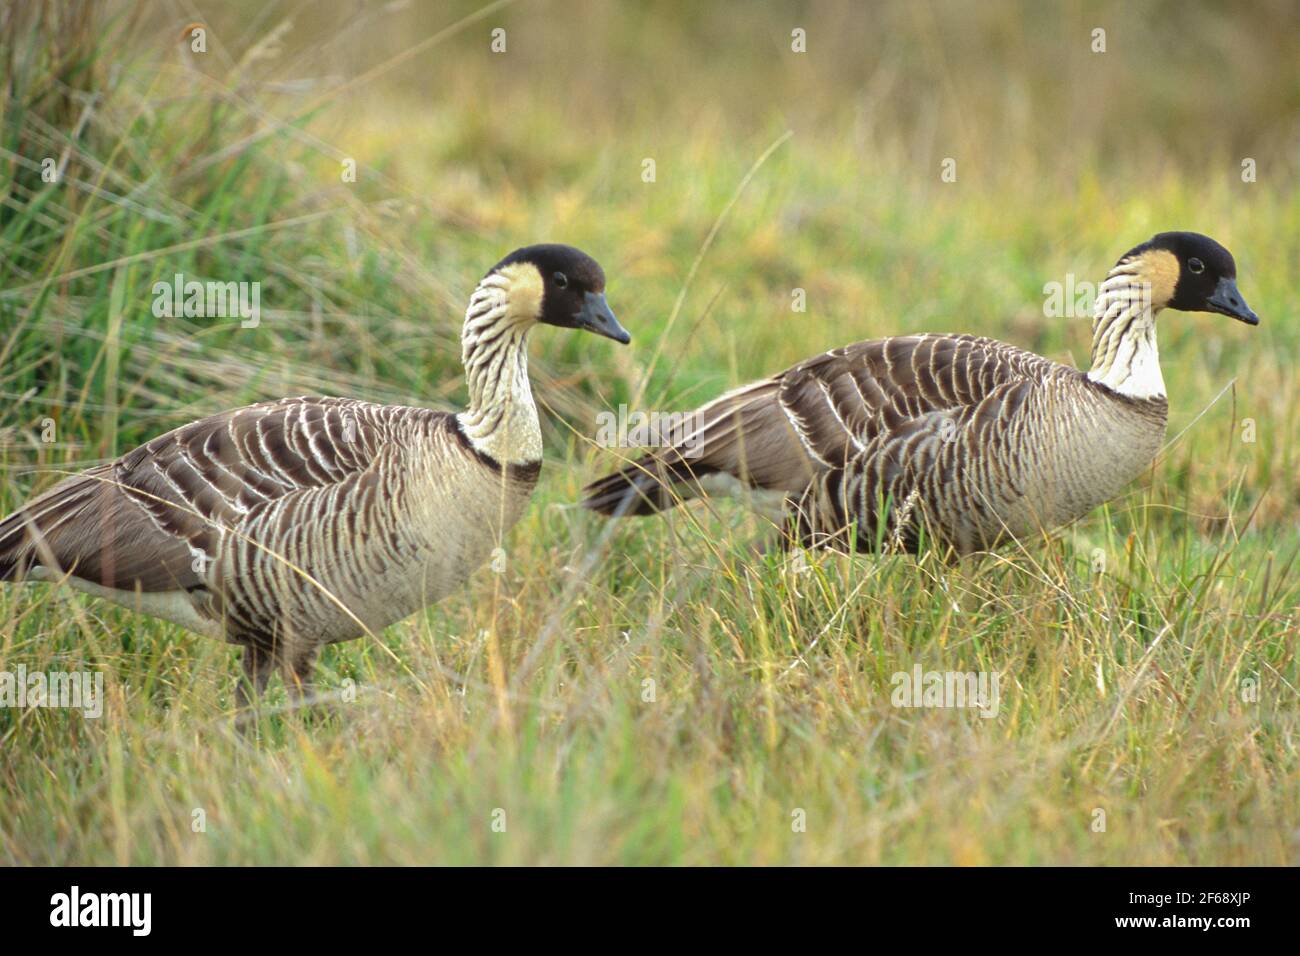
(226, 164)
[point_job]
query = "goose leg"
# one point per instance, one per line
(258, 664)
(298, 675)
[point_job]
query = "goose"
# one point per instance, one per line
(291, 524)
(958, 439)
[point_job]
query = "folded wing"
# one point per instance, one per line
(792, 431)
(152, 520)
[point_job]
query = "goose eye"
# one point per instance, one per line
(561, 280)
(1195, 265)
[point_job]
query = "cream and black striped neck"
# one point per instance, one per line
(501, 420)
(1124, 354)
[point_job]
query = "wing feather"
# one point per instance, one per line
(785, 432)
(152, 519)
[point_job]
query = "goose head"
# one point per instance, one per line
(1189, 272)
(559, 285)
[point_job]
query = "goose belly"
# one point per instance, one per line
(1069, 471)
(425, 569)
(384, 569)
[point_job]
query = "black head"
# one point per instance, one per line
(565, 287)
(1192, 273)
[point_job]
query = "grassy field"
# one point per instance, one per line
(648, 692)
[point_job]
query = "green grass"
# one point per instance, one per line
(524, 696)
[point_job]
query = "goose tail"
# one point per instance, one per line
(648, 485)
(742, 436)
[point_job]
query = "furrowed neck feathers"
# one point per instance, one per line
(501, 420)
(1124, 354)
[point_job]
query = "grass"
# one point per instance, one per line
(648, 692)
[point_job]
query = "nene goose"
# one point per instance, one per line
(287, 525)
(959, 439)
